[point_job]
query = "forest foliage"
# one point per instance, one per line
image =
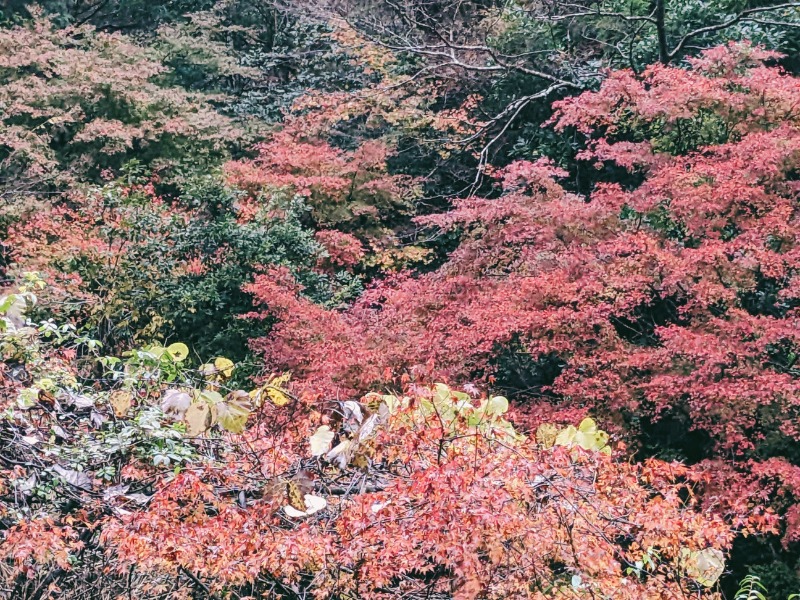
(378, 300)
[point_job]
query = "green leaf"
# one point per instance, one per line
(211, 397)
(6, 302)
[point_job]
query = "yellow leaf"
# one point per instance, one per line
(281, 380)
(587, 436)
(207, 370)
(295, 495)
(224, 366)
(278, 397)
(595, 440)
(566, 436)
(121, 401)
(178, 351)
(546, 434)
(257, 396)
(498, 405)
(232, 413)
(210, 397)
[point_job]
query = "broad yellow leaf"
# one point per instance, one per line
(211, 397)
(566, 436)
(224, 366)
(587, 436)
(281, 380)
(257, 396)
(278, 397)
(121, 401)
(546, 434)
(442, 392)
(595, 440)
(498, 405)
(178, 351)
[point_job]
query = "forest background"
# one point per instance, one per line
(380, 299)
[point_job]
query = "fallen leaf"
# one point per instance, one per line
(59, 432)
(114, 492)
(140, 499)
(97, 418)
(79, 401)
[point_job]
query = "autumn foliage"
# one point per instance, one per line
(432, 492)
(669, 302)
(247, 360)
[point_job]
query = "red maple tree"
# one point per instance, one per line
(670, 299)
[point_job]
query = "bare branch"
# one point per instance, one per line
(741, 16)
